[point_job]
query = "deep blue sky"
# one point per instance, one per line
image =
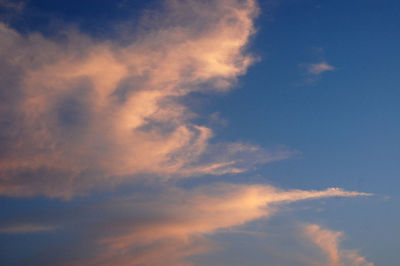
(346, 123)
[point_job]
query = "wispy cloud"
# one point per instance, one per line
(12, 4)
(329, 243)
(26, 228)
(314, 71)
(167, 225)
(319, 68)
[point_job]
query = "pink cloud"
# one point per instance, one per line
(329, 243)
(191, 215)
(87, 110)
(162, 226)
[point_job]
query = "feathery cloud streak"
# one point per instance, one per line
(165, 226)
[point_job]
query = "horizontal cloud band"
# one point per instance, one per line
(167, 225)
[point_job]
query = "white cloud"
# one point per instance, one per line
(319, 68)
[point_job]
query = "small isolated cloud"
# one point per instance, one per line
(319, 68)
(328, 242)
(314, 71)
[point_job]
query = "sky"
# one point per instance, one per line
(187, 132)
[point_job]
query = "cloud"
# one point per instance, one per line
(26, 229)
(79, 113)
(279, 240)
(14, 5)
(319, 68)
(329, 243)
(315, 71)
(168, 224)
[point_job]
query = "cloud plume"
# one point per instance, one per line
(79, 113)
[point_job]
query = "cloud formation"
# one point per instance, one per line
(156, 227)
(79, 113)
(15, 5)
(319, 68)
(329, 243)
(26, 229)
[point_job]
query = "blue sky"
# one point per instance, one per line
(199, 133)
